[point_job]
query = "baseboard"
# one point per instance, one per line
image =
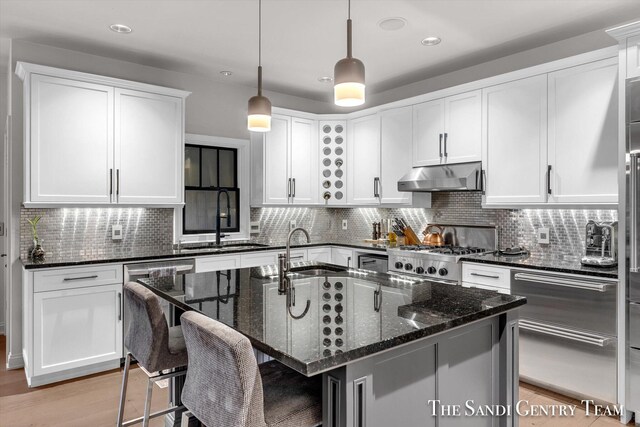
(38, 380)
(2, 329)
(15, 361)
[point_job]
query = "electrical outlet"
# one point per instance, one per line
(292, 224)
(344, 224)
(116, 232)
(254, 227)
(543, 235)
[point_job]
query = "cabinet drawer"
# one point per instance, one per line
(258, 259)
(297, 255)
(76, 277)
(487, 287)
(496, 277)
(216, 263)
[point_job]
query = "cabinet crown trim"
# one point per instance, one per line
(623, 31)
(25, 69)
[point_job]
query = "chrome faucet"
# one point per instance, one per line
(218, 215)
(285, 286)
(284, 262)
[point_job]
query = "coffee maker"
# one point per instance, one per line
(601, 244)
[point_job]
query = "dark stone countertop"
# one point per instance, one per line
(144, 254)
(352, 313)
(545, 263)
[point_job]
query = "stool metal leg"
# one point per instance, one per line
(147, 403)
(123, 390)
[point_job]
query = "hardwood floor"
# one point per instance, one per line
(93, 401)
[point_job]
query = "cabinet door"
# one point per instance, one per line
(276, 173)
(71, 141)
(304, 331)
(463, 128)
(633, 57)
(514, 142)
(363, 315)
(343, 257)
(76, 327)
(583, 133)
(304, 161)
(319, 255)
(396, 140)
(428, 128)
(363, 158)
(149, 151)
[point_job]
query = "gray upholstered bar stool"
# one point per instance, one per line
(225, 387)
(155, 346)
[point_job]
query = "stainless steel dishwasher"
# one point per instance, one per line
(379, 263)
(568, 333)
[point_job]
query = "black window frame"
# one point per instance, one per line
(235, 189)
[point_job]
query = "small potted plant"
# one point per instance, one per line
(37, 252)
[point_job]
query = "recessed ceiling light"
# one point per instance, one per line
(120, 28)
(431, 41)
(226, 73)
(392, 24)
(325, 79)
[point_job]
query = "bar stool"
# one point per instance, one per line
(226, 387)
(153, 344)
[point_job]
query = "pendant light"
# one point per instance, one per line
(348, 76)
(259, 113)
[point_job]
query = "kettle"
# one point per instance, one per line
(432, 238)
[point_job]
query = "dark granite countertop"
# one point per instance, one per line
(545, 263)
(352, 313)
(83, 258)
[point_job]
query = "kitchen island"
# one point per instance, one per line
(387, 347)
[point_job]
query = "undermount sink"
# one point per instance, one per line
(316, 270)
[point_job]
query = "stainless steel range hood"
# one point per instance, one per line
(456, 177)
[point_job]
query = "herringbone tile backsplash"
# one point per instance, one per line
(88, 230)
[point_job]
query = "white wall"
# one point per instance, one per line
(3, 113)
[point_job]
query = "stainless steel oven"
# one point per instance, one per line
(568, 333)
(379, 263)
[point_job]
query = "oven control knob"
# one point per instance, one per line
(398, 264)
(431, 270)
(443, 272)
(419, 270)
(408, 267)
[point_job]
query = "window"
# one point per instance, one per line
(208, 170)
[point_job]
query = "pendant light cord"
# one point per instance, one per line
(349, 10)
(349, 37)
(259, 47)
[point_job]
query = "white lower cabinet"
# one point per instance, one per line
(217, 263)
(342, 256)
(489, 277)
(256, 259)
(71, 327)
(319, 254)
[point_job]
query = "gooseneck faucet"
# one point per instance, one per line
(284, 285)
(218, 215)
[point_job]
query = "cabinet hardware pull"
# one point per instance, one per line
(490, 276)
(348, 261)
(483, 181)
(294, 187)
(445, 144)
(297, 257)
(376, 187)
(119, 306)
(633, 212)
(549, 179)
(71, 279)
(376, 300)
(117, 182)
(559, 332)
(111, 182)
(289, 187)
(569, 283)
(368, 262)
(440, 145)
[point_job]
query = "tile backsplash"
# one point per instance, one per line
(87, 231)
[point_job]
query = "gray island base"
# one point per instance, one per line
(391, 351)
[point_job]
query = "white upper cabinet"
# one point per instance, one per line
(448, 130)
(633, 56)
(428, 125)
(303, 163)
(462, 140)
(291, 161)
(363, 158)
(69, 142)
(583, 133)
(276, 155)
(515, 142)
(396, 140)
(94, 140)
(149, 148)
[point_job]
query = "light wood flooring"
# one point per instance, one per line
(93, 401)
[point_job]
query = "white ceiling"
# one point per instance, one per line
(302, 39)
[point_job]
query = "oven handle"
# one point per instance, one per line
(569, 283)
(633, 212)
(570, 334)
(490, 276)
